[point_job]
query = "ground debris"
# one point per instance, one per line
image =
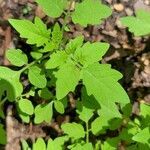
(142, 73)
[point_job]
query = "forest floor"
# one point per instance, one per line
(128, 54)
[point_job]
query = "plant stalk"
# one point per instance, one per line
(3, 101)
(32, 63)
(87, 132)
(67, 15)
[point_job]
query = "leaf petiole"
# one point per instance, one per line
(32, 63)
(3, 101)
(87, 132)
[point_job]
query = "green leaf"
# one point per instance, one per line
(57, 59)
(87, 146)
(45, 93)
(24, 145)
(84, 113)
(36, 55)
(139, 25)
(110, 144)
(63, 85)
(48, 47)
(74, 44)
(52, 81)
(132, 147)
(127, 110)
(66, 28)
(2, 135)
(128, 132)
(6, 86)
(53, 145)
(43, 112)
(39, 144)
(145, 115)
(57, 36)
(9, 82)
(143, 136)
(107, 113)
(57, 143)
(1, 111)
(115, 123)
(138, 146)
(16, 57)
(90, 12)
(26, 106)
(73, 130)
(89, 101)
(77, 146)
(143, 146)
(90, 53)
(144, 110)
(61, 140)
(35, 33)
(59, 107)
(107, 89)
(25, 118)
(36, 77)
(64, 101)
(98, 124)
(53, 8)
(111, 111)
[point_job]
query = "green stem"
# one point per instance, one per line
(27, 66)
(67, 15)
(76, 62)
(32, 63)
(87, 132)
(63, 27)
(3, 101)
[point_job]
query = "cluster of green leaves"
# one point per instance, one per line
(41, 145)
(96, 11)
(139, 129)
(135, 133)
(57, 67)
